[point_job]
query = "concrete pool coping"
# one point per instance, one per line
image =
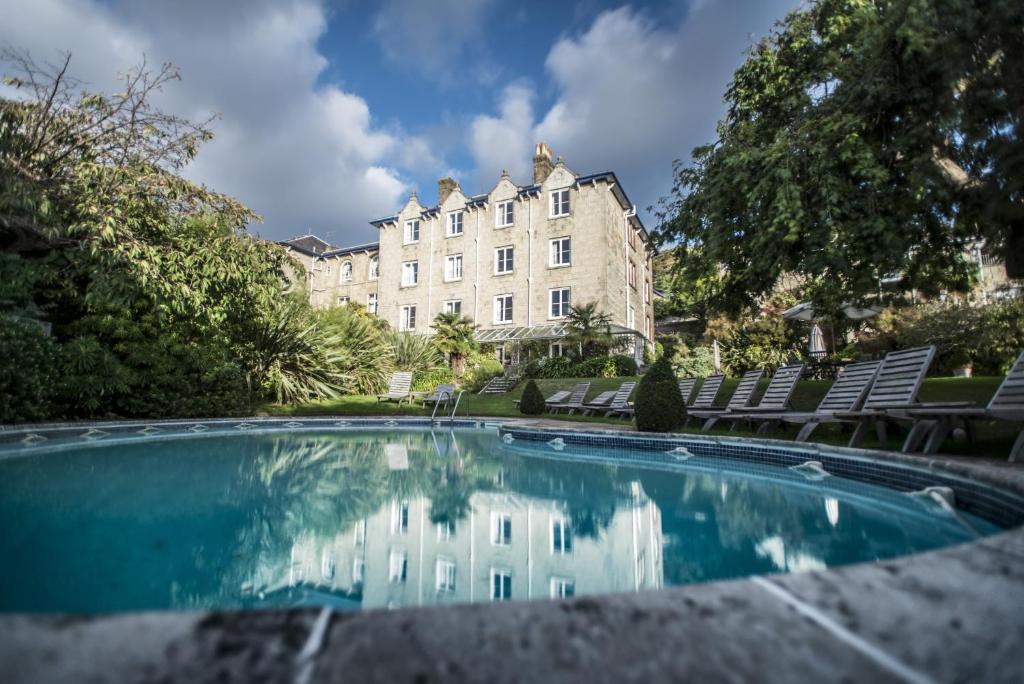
(947, 615)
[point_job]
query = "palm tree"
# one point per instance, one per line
(453, 337)
(589, 330)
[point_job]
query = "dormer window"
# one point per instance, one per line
(412, 232)
(505, 215)
(346, 271)
(560, 203)
(455, 223)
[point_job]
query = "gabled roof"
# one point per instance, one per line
(341, 251)
(480, 200)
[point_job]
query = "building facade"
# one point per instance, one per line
(513, 259)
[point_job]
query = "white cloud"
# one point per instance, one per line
(302, 155)
(431, 37)
(631, 95)
(503, 142)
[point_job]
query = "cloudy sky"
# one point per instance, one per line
(332, 112)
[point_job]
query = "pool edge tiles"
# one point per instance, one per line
(996, 496)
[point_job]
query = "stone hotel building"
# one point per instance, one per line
(514, 260)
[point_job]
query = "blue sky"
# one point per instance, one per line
(332, 112)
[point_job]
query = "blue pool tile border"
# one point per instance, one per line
(998, 505)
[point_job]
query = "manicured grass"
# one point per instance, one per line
(992, 438)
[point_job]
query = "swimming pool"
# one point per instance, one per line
(364, 514)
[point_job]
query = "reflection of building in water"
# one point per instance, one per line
(509, 547)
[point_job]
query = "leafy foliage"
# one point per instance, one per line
(453, 337)
(996, 335)
(428, 380)
(27, 370)
(693, 362)
(589, 331)
(861, 139)
(659, 405)
(597, 367)
(415, 353)
(532, 401)
(366, 352)
(160, 303)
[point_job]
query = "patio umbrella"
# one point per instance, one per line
(816, 348)
(716, 355)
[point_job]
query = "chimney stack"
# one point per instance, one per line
(445, 186)
(542, 165)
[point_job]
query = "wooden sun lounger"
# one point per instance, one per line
(740, 397)
(893, 392)
(599, 402)
(398, 388)
(619, 405)
(776, 397)
(442, 394)
(558, 396)
(708, 391)
(686, 386)
(1006, 404)
(575, 400)
(845, 395)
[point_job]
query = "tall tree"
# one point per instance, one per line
(453, 337)
(863, 138)
(589, 330)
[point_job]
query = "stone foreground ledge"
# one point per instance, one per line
(952, 615)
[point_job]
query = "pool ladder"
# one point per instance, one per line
(455, 405)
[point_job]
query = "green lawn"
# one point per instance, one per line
(993, 438)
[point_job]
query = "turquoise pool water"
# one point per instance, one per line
(402, 517)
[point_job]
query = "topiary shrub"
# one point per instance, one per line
(659, 405)
(532, 401)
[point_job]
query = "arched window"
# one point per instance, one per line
(346, 271)
(374, 268)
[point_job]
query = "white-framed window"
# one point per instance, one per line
(398, 566)
(407, 321)
(453, 267)
(371, 303)
(641, 568)
(373, 270)
(453, 306)
(454, 223)
(445, 530)
(358, 570)
(500, 355)
(399, 517)
(501, 529)
(343, 301)
(359, 533)
(560, 203)
(410, 273)
(412, 232)
(501, 585)
(631, 317)
(561, 536)
(632, 275)
(556, 349)
(647, 327)
(562, 587)
(505, 215)
(328, 564)
(560, 302)
(444, 575)
(346, 271)
(504, 259)
(647, 292)
(560, 252)
(503, 308)
(631, 236)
